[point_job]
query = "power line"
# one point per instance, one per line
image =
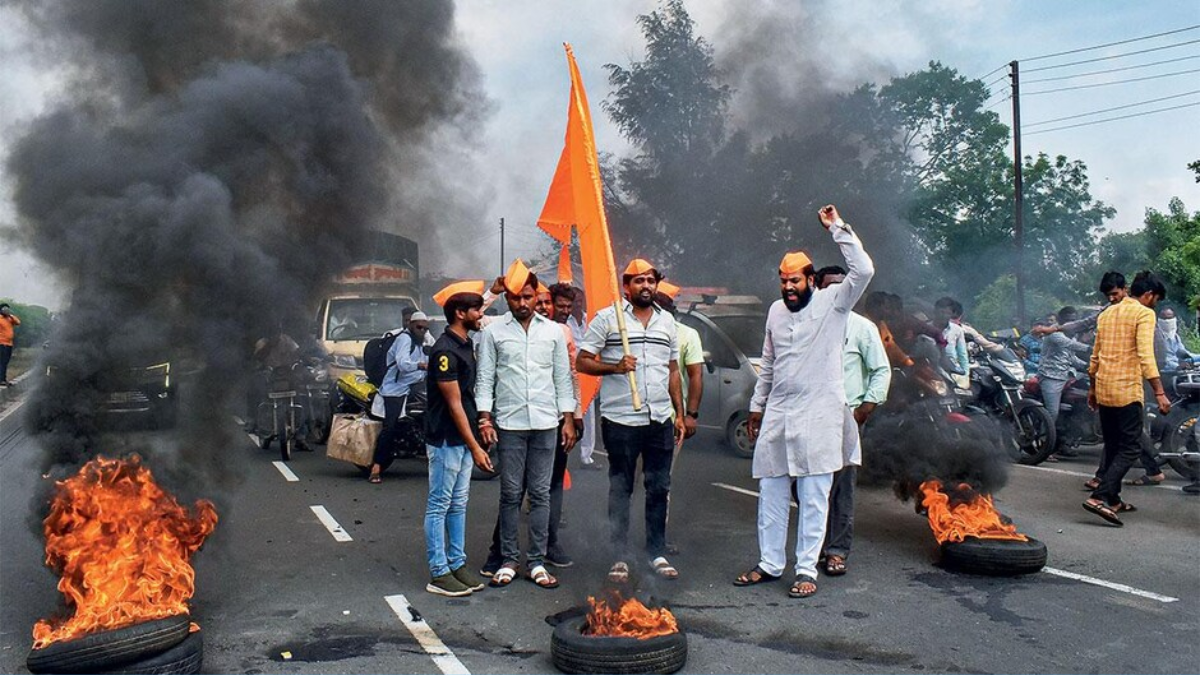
(1114, 56)
(1109, 44)
(1113, 119)
(1006, 98)
(1113, 70)
(1120, 107)
(1105, 84)
(989, 73)
(988, 86)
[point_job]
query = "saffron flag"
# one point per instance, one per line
(576, 199)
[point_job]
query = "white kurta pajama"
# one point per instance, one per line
(808, 431)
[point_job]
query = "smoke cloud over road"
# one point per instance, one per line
(209, 168)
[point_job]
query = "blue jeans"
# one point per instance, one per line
(526, 467)
(446, 508)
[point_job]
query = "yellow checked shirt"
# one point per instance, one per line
(1123, 355)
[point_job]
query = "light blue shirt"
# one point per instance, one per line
(403, 367)
(865, 363)
(524, 377)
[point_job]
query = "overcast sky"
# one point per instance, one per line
(1133, 163)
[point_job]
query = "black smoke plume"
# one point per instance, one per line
(210, 166)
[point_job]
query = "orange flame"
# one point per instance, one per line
(122, 547)
(630, 619)
(973, 515)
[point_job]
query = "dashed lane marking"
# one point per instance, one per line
(1049, 570)
(1108, 584)
(288, 475)
(442, 657)
(12, 409)
(330, 524)
(1067, 472)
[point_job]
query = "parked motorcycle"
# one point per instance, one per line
(998, 389)
(356, 396)
(1180, 436)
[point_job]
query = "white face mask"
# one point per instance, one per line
(1169, 326)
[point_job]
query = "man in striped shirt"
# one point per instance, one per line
(1122, 358)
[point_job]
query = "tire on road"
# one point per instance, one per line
(1180, 436)
(98, 652)
(574, 652)
(738, 438)
(183, 659)
(994, 557)
(1038, 443)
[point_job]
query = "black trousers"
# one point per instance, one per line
(385, 444)
(495, 557)
(1122, 429)
(654, 443)
(5, 356)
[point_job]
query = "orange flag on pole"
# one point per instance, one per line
(576, 199)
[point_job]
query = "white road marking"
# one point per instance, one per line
(743, 491)
(600, 452)
(1050, 570)
(288, 475)
(1065, 472)
(1108, 584)
(330, 524)
(443, 658)
(12, 409)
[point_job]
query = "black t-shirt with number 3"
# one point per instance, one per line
(452, 359)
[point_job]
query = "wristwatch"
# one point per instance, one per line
(694, 414)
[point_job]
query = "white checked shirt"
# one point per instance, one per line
(655, 345)
(524, 378)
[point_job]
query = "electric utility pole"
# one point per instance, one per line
(502, 258)
(1018, 193)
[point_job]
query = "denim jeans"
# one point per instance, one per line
(6, 352)
(655, 444)
(446, 508)
(495, 557)
(526, 464)
(1122, 429)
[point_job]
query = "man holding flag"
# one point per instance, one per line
(648, 428)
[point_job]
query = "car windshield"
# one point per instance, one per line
(364, 318)
(746, 332)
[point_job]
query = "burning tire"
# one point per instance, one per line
(111, 649)
(183, 659)
(994, 557)
(574, 652)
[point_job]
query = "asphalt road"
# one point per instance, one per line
(274, 579)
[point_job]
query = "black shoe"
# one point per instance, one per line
(558, 558)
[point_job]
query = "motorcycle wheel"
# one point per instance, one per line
(285, 445)
(1180, 436)
(1034, 433)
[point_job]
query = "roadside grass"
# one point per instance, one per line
(23, 359)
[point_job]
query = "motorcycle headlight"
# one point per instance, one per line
(940, 388)
(344, 361)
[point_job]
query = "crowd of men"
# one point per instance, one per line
(511, 383)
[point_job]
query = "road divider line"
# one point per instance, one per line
(442, 657)
(742, 491)
(12, 409)
(288, 475)
(330, 524)
(1065, 472)
(1109, 584)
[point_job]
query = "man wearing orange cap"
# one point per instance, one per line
(524, 390)
(691, 358)
(629, 433)
(804, 428)
(450, 440)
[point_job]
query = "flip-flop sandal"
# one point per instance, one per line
(1125, 507)
(542, 578)
(619, 573)
(835, 566)
(1145, 481)
(664, 569)
(796, 592)
(1091, 485)
(375, 479)
(755, 576)
(1104, 512)
(503, 577)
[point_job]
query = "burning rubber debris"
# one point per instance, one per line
(122, 546)
(974, 536)
(619, 635)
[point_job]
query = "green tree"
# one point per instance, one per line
(35, 324)
(1121, 251)
(1173, 243)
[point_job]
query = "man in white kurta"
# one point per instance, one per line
(805, 430)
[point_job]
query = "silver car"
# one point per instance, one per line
(731, 331)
